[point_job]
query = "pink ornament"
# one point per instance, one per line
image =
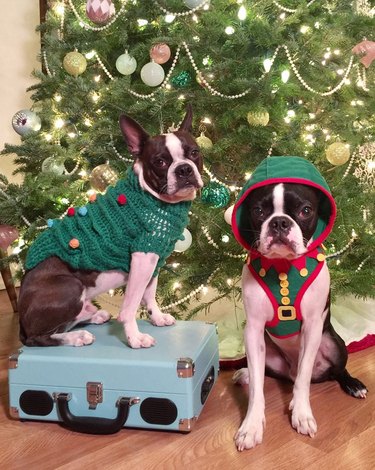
(160, 53)
(7, 236)
(100, 11)
(368, 49)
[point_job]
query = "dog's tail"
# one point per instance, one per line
(351, 385)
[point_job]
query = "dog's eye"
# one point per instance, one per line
(159, 162)
(194, 153)
(258, 212)
(306, 212)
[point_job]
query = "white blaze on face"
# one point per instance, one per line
(294, 236)
(174, 146)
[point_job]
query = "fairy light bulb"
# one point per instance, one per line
(169, 18)
(229, 30)
(176, 285)
(90, 55)
(57, 98)
(304, 29)
(142, 23)
(285, 74)
(48, 137)
(242, 13)
(267, 64)
(205, 290)
(59, 9)
(225, 238)
(59, 123)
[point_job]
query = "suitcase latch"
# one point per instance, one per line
(185, 367)
(94, 392)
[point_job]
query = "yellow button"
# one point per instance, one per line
(304, 272)
(285, 300)
(284, 283)
(262, 272)
(321, 257)
(284, 291)
(283, 276)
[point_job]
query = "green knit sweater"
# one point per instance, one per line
(103, 234)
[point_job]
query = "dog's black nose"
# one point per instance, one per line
(280, 224)
(184, 171)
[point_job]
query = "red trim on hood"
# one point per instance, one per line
(306, 182)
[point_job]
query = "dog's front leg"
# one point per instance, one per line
(251, 431)
(157, 317)
(142, 268)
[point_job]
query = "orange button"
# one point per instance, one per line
(262, 272)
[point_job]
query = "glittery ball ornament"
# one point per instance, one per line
(126, 64)
(8, 235)
(183, 245)
(51, 165)
(215, 195)
(74, 63)
(103, 176)
(100, 11)
(338, 153)
(204, 142)
(152, 74)
(194, 3)
(258, 118)
(160, 53)
(182, 80)
(25, 121)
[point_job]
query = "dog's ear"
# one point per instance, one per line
(134, 134)
(186, 124)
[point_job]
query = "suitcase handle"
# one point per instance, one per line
(94, 425)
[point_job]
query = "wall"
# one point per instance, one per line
(19, 49)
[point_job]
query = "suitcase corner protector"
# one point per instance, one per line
(13, 412)
(187, 424)
(13, 359)
(185, 367)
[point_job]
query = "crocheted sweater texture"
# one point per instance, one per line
(103, 234)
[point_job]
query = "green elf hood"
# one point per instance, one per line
(285, 170)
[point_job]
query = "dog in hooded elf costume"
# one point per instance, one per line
(122, 237)
(282, 216)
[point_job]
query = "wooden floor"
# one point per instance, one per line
(345, 439)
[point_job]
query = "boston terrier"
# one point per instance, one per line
(121, 237)
(281, 217)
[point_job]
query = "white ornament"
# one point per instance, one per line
(152, 74)
(126, 64)
(195, 3)
(183, 245)
(228, 215)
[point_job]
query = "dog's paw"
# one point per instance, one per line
(303, 420)
(162, 319)
(100, 316)
(250, 434)
(140, 340)
(241, 376)
(75, 338)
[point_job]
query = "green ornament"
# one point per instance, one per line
(181, 80)
(215, 195)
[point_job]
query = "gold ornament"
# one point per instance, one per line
(258, 118)
(204, 142)
(103, 176)
(74, 63)
(338, 153)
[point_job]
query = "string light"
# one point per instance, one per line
(285, 74)
(242, 13)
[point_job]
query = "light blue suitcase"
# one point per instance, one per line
(100, 388)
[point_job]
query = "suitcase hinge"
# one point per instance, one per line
(13, 359)
(185, 367)
(94, 393)
(186, 425)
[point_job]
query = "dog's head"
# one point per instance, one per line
(168, 166)
(285, 210)
(283, 219)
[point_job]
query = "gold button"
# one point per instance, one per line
(285, 300)
(283, 276)
(284, 283)
(262, 272)
(321, 257)
(284, 291)
(304, 272)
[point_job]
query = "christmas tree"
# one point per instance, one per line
(264, 78)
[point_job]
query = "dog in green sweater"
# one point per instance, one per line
(121, 237)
